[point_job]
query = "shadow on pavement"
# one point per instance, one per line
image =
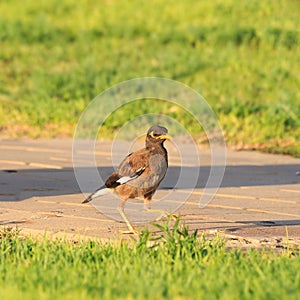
(236, 226)
(17, 185)
(259, 224)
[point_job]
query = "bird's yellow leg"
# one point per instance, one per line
(131, 230)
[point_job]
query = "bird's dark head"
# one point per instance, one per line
(157, 134)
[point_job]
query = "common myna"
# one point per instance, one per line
(139, 174)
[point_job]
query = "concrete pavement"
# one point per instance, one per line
(257, 203)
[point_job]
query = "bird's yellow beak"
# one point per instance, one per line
(165, 137)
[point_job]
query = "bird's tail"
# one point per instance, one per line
(100, 192)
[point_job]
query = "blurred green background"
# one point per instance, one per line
(242, 56)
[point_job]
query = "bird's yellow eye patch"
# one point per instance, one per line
(152, 135)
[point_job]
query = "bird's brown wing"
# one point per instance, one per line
(154, 166)
(134, 162)
(130, 168)
(142, 169)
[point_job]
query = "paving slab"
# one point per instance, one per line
(258, 200)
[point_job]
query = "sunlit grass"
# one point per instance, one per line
(176, 264)
(243, 57)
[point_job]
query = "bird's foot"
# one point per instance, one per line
(173, 216)
(168, 215)
(163, 213)
(130, 231)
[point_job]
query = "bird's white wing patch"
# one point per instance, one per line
(100, 193)
(126, 179)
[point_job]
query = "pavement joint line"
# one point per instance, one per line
(211, 219)
(74, 217)
(95, 206)
(31, 164)
(95, 152)
(60, 215)
(82, 205)
(185, 202)
(243, 197)
(60, 159)
(16, 210)
(102, 153)
(270, 212)
(32, 149)
(40, 165)
(278, 200)
(83, 162)
(60, 202)
(241, 208)
(292, 191)
(13, 162)
(46, 150)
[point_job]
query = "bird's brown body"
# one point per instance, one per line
(140, 173)
(153, 160)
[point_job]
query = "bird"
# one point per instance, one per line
(139, 174)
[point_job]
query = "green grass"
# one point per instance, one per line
(243, 57)
(175, 265)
